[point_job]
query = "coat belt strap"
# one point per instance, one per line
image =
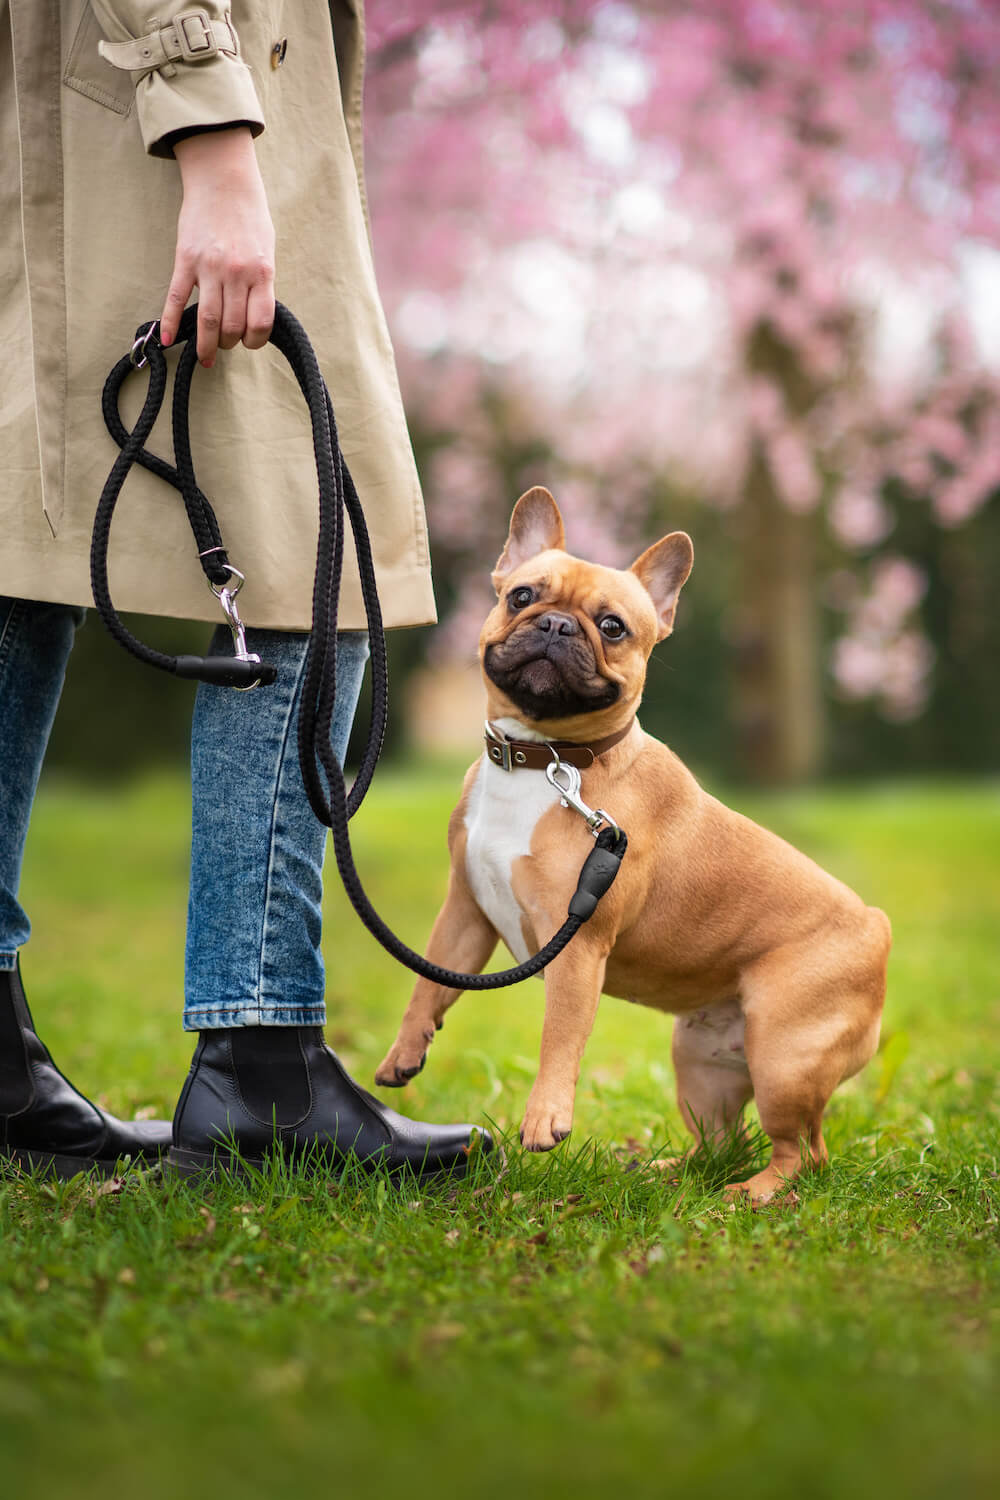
(191, 37)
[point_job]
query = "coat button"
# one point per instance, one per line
(278, 52)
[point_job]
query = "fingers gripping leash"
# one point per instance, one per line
(321, 771)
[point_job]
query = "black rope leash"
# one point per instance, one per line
(322, 772)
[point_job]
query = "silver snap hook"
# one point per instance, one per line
(137, 355)
(569, 794)
(226, 595)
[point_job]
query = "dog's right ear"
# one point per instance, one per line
(535, 526)
(662, 570)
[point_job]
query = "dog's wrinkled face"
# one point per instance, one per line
(568, 641)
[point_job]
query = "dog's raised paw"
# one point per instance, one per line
(395, 1075)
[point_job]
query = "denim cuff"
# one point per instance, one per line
(252, 1013)
(8, 962)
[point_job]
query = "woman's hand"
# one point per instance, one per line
(225, 245)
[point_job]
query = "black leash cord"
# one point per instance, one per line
(322, 772)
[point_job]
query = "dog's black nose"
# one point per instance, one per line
(557, 624)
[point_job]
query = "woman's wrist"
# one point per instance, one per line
(216, 153)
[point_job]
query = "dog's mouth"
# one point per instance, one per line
(549, 678)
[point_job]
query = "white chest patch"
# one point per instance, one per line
(504, 807)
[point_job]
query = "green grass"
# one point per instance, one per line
(575, 1323)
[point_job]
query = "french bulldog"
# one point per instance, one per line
(774, 969)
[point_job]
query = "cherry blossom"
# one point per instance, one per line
(695, 237)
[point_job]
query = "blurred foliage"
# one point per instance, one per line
(959, 729)
(691, 677)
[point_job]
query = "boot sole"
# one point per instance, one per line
(53, 1164)
(212, 1164)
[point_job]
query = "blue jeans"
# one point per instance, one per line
(253, 944)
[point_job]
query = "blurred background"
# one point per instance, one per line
(731, 266)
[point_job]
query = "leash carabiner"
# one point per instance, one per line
(570, 795)
(137, 354)
(227, 598)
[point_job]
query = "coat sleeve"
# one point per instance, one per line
(207, 85)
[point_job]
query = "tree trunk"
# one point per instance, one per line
(778, 700)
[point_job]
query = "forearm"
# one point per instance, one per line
(196, 102)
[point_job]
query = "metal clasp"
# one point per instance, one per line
(569, 792)
(137, 355)
(226, 595)
(499, 750)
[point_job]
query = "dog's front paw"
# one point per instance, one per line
(544, 1126)
(403, 1061)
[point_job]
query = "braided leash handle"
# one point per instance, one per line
(322, 772)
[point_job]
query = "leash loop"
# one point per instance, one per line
(322, 772)
(230, 589)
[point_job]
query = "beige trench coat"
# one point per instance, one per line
(89, 196)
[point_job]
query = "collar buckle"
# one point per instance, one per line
(501, 752)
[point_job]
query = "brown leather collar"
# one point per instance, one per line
(535, 755)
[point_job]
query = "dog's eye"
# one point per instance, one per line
(613, 628)
(520, 598)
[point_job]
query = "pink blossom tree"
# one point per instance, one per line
(747, 242)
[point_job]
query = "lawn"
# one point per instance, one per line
(579, 1322)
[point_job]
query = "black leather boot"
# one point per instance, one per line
(264, 1088)
(44, 1121)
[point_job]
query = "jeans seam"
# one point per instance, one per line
(269, 881)
(208, 1018)
(220, 1006)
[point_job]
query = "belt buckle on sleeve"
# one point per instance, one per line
(195, 36)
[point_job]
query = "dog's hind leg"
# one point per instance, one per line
(808, 1028)
(713, 1080)
(793, 1079)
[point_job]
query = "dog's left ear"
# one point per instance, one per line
(535, 526)
(662, 570)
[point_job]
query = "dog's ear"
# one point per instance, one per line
(662, 570)
(535, 526)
